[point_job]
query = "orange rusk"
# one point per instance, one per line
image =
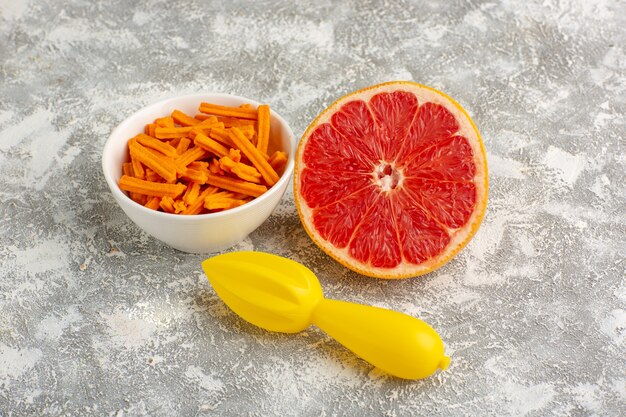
(238, 186)
(210, 145)
(138, 169)
(241, 170)
(234, 122)
(172, 132)
(153, 203)
(127, 169)
(182, 145)
(192, 154)
(152, 160)
(198, 204)
(228, 111)
(150, 142)
(179, 206)
(164, 122)
(167, 204)
(278, 160)
(254, 155)
(192, 193)
(263, 136)
(153, 176)
(222, 201)
(150, 188)
(149, 130)
(183, 119)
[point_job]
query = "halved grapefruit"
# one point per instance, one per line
(391, 180)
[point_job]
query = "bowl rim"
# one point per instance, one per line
(284, 178)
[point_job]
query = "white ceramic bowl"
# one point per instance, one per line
(201, 233)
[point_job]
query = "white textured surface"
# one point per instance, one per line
(97, 318)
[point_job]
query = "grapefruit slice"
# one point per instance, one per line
(391, 180)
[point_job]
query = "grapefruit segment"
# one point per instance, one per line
(320, 188)
(337, 221)
(391, 180)
(394, 114)
(375, 241)
(422, 238)
(433, 123)
(449, 203)
(355, 123)
(330, 152)
(450, 160)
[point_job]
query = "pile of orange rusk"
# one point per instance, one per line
(213, 161)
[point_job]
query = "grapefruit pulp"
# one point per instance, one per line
(391, 180)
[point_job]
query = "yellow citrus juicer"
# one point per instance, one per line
(281, 295)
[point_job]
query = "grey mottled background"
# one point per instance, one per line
(96, 318)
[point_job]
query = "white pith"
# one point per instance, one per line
(387, 182)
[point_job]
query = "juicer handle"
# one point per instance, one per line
(398, 344)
